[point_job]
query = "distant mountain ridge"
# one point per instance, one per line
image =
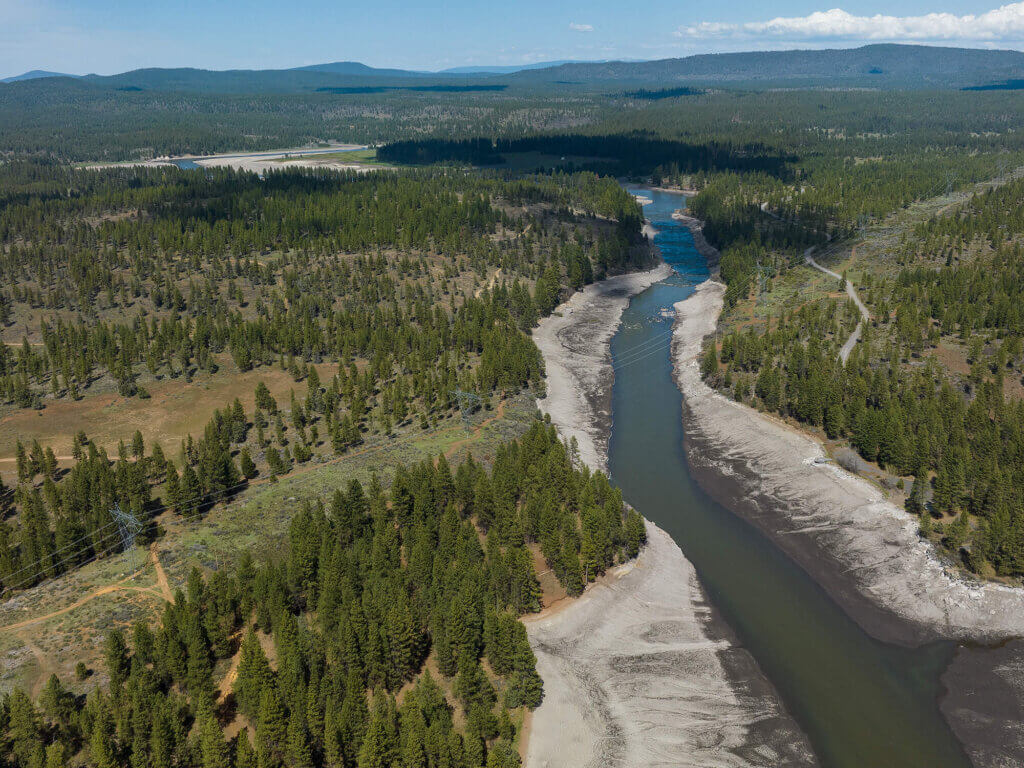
(508, 69)
(886, 65)
(33, 74)
(880, 66)
(347, 68)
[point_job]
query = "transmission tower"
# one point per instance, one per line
(468, 402)
(128, 527)
(862, 224)
(762, 282)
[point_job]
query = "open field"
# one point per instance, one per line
(175, 409)
(350, 157)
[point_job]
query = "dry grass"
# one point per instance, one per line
(174, 410)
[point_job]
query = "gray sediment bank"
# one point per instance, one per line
(861, 548)
(632, 677)
(577, 362)
(640, 670)
(873, 544)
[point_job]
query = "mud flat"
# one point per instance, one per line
(638, 671)
(861, 548)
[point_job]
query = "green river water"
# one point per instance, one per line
(862, 703)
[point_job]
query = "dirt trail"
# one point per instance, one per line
(229, 677)
(228, 681)
(119, 586)
(844, 352)
(458, 445)
(46, 665)
(161, 574)
(489, 285)
(164, 591)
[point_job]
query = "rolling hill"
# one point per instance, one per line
(34, 74)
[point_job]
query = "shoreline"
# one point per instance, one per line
(704, 248)
(574, 342)
(863, 550)
(875, 542)
(702, 699)
(632, 678)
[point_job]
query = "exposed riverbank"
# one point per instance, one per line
(704, 248)
(861, 548)
(574, 342)
(632, 677)
(640, 670)
(874, 545)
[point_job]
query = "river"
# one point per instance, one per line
(862, 703)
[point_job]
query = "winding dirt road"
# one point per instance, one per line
(847, 348)
(119, 586)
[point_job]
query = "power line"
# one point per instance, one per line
(197, 502)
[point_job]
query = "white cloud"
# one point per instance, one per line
(1003, 23)
(581, 27)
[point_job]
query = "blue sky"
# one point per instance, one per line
(108, 36)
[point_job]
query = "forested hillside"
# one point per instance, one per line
(388, 635)
(870, 66)
(934, 390)
(383, 296)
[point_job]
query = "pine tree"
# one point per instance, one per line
(271, 730)
(115, 653)
(247, 465)
(101, 743)
(245, 756)
(215, 750)
(380, 745)
(300, 753)
(254, 675)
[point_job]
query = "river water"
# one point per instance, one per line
(862, 703)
